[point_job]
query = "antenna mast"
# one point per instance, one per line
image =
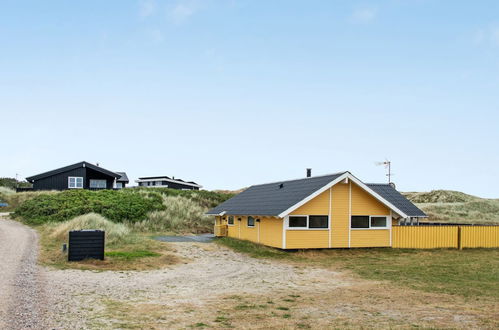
(388, 165)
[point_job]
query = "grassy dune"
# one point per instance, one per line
(456, 207)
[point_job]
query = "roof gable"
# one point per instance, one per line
(273, 198)
(281, 198)
(71, 167)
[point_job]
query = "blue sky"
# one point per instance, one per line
(230, 93)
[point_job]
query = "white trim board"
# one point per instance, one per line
(349, 176)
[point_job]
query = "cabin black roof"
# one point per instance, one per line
(71, 167)
(272, 199)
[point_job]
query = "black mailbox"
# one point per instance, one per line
(84, 244)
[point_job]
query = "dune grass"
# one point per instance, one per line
(456, 207)
(116, 233)
(180, 215)
(472, 273)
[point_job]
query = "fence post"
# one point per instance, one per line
(459, 238)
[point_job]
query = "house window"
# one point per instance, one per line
(119, 185)
(251, 222)
(98, 184)
(378, 222)
(368, 222)
(298, 222)
(360, 221)
(75, 182)
(308, 222)
(231, 221)
(318, 221)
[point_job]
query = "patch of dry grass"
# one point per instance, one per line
(115, 232)
(181, 215)
(361, 306)
(131, 252)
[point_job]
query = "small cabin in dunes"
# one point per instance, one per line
(330, 211)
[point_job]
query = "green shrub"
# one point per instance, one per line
(13, 183)
(117, 206)
(115, 232)
(180, 214)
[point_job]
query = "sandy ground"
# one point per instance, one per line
(22, 284)
(214, 287)
(217, 287)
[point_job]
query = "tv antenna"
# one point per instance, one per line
(388, 165)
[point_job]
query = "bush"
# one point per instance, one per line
(180, 215)
(13, 183)
(115, 232)
(117, 206)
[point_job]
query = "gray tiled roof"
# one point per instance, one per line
(270, 199)
(123, 178)
(393, 196)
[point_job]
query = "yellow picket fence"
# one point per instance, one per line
(434, 237)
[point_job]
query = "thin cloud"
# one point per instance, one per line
(363, 15)
(183, 10)
(147, 8)
(487, 36)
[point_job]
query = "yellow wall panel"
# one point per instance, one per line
(364, 203)
(271, 232)
(370, 238)
(248, 233)
(307, 239)
(340, 220)
(317, 206)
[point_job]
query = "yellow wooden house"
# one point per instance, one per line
(329, 211)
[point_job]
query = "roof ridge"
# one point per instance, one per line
(306, 178)
(378, 184)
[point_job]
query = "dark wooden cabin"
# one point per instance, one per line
(82, 175)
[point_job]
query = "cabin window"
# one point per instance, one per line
(119, 185)
(298, 222)
(75, 182)
(378, 222)
(368, 222)
(308, 222)
(231, 220)
(318, 221)
(98, 184)
(360, 221)
(251, 222)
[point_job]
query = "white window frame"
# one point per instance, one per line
(90, 183)
(247, 222)
(233, 220)
(307, 228)
(387, 227)
(76, 182)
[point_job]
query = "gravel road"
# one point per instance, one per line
(22, 293)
